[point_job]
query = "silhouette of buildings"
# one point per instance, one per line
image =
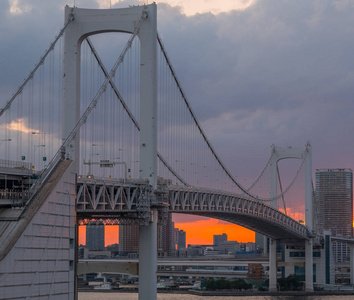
(219, 239)
(181, 239)
(129, 237)
(95, 236)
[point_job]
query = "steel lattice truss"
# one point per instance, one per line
(131, 202)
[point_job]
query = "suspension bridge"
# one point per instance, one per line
(80, 141)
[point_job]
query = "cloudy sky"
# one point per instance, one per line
(256, 72)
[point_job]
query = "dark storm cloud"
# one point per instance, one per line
(278, 72)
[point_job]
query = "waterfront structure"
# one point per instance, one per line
(295, 262)
(95, 236)
(255, 271)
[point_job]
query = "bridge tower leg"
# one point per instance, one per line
(309, 265)
(273, 265)
(92, 21)
(306, 155)
(308, 219)
(148, 153)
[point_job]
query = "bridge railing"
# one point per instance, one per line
(11, 164)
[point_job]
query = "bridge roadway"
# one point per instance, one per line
(169, 267)
(101, 198)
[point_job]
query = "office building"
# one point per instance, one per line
(181, 239)
(219, 239)
(128, 238)
(165, 240)
(334, 207)
(334, 201)
(95, 236)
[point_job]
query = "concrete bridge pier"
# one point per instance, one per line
(272, 265)
(309, 265)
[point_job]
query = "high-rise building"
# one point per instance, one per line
(95, 236)
(334, 207)
(334, 201)
(129, 238)
(181, 239)
(165, 243)
(219, 239)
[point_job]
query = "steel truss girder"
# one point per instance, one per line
(108, 199)
(237, 209)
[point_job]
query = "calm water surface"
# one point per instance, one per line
(133, 296)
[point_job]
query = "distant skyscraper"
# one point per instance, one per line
(219, 239)
(181, 240)
(334, 201)
(95, 236)
(129, 238)
(165, 236)
(334, 207)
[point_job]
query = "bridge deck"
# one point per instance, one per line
(108, 199)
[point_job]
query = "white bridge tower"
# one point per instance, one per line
(88, 22)
(306, 155)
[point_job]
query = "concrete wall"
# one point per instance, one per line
(41, 263)
(319, 262)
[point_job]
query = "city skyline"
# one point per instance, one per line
(196, 234)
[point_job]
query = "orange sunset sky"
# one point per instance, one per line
(198, 233)
(199, 230)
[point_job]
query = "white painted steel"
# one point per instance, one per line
(148, 151)
(112, 198)
(309, 265)
(93, 21)
(272, 265)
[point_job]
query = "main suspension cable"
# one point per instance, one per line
(126, 108)
(62, 150)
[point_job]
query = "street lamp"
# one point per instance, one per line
(41, 145)
(5, 140)
(34, 153)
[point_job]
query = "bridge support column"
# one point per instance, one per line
(309, 265)
(351, 246)
(148, 259)
(148, 152)
(272, 265)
